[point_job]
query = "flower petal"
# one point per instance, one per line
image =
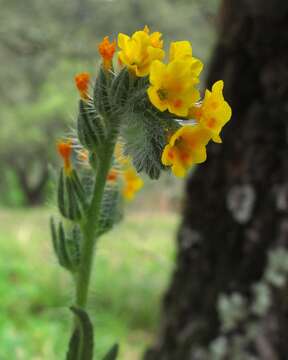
(155, 99)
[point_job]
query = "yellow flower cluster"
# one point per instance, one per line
(173, 88)
(187, 146)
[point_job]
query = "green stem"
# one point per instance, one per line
(89, 229)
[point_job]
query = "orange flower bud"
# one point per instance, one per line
(107, 50)
(112, 175)
(65, 151)
(82, 84)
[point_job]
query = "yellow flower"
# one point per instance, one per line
(214, 112)
(182, 50)
(187, 146)
(132, 183)
(172, 86)
(122, 159)
(138, 52)
(155, 38)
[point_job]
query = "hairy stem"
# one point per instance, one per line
(89, 229)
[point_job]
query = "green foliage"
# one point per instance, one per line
(71, 196)
(74, 345)
(91, 127)
(82, 343)
(101, 98)
(111, 209)
(112, 353)
(145, 136)
(35, 324)
(120, 91)
(66, 245)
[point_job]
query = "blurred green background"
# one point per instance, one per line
(43, 44)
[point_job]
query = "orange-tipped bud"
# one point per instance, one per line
(82, 84)
(112, 175)
(65, 151)
(107, 50)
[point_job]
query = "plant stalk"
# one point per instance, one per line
(89, 228)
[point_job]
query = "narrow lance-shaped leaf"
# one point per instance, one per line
(82, 342)
(91, 126)
(54, 236)
(74, 346)
(61, 193)
(112, 353)
(73, 209)
(78, 188)
(63, 254)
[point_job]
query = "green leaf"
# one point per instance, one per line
(63, 254)
(78, 188)
(73, 241)
(111, 209)
(68, 199)
(73, 204)
(61, 193)
(145, 138)
(66, 245)
(74, 346)
(101, 92)
(84, 338)
(91, 126)
(112, 353)
(54, 236)
(120, 91)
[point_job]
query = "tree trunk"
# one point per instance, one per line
(228, 296)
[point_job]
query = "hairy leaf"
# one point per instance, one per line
(91, 126)
(145, 135)
(74, 346)
(111, 209)
(84, 342)
(112, 353)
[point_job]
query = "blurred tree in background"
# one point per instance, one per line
(42, 45)
(228, 296)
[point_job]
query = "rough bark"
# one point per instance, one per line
(236, 207)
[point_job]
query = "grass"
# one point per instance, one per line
(132, 269)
